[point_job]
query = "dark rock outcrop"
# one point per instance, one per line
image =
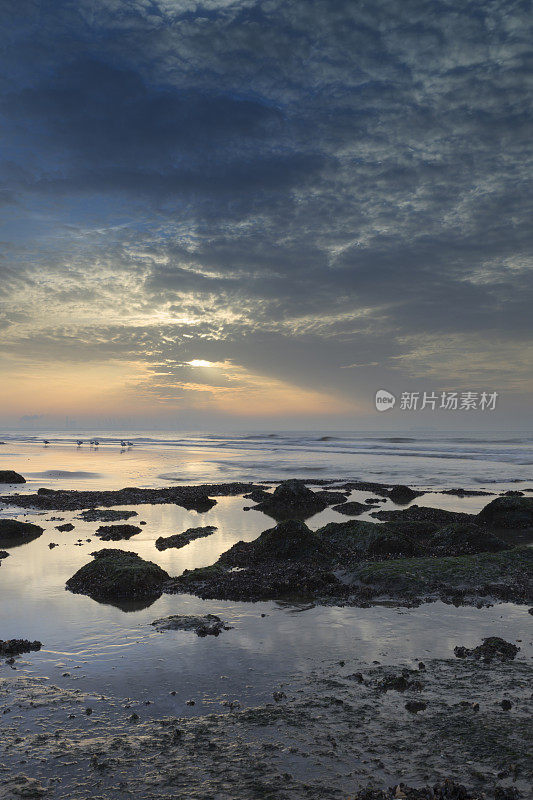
(424, 514)
(10, 476)
(114, 533)
(182, 539)
(464, 538)
(492, 648)
(14, 647)
(68, 526)
(208, 625)
(12, 531)
(197, 498)
(118, 574)
(508, 512)
(106, 515)
(448, 790)
(288, 541)
(352, 508)
(403, 494)
(292, 500)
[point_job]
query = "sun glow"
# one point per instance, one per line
(199, 362)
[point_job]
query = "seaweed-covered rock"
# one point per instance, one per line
(352, 508)
(10, 476)
(462, 538)
(13, 531)
(288, 541)
(106, 515)
(331, 497)
(387, 543)
(403, 494)
(505, 575)
(399, 683)
(182, 539)
(3, 554)
(448, 790)
(68, 526)
(258, 495)
(357, 540)
(268, 580)
(118, 574)
(292, 500)
(114, 533)
(14, 647)
(508, 512)
(492, 648)
(208, 625)
(424, 514)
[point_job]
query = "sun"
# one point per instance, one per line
(199, 362)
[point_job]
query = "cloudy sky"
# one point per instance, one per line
(228, 212)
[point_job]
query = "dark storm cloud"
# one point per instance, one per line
(340, 175)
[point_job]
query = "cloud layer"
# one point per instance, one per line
(320, 197)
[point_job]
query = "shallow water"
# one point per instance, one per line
(115, 651)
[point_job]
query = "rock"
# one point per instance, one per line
(12, 531)
(14, 647)
(403, 494)
(508, 512)
(68, 526)
(182, 539)
(414, 706)
(10, 476)
(114, 533)
(464, 538)
(278, 696)
(331, 498)
(506, 705)
(424, 514)
(448, 790)
(399, 683)
(492, 648)
(106, 515)
(386, 543)
(292, 500)
(3, 554)
(352, 508)
(118, 574)
(190, 497)
(466, 492)
(289, 541)
(208, 625)
(258, 495)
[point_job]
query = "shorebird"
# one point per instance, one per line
(79, 442)
(45, 441)
(130, 444)
(95, 442)
(123, 444)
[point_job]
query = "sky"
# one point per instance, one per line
(237, 213)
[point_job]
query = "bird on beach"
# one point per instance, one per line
(123, 444)
(130, 444)
(94, 442)
(79, 442)
(45, 441)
